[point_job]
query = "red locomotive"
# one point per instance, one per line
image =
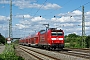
(50, 39)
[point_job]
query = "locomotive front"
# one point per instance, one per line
(57, 38)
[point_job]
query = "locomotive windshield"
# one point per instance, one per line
(56, 33)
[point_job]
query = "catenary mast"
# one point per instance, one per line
(83, 28)
(10, 21)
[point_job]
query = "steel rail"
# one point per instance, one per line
(38, 57)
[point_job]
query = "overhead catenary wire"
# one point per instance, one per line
(32, 9)
(81, 6)
(78, 8)
(39, 8)
(55, 9)
(63, 4)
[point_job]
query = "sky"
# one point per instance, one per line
(28, 16)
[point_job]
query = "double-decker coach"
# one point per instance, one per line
(34, 39)
(21, 41)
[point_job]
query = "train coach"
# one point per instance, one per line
(21, 41)
(48, 39)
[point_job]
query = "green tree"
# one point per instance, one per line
(2, 39)
(73, 35)
(16, 41)
(87, 40)
(73, 41)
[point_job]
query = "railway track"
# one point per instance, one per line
(77, 54)
(56, 55)
(84, 53)
(38, 55)
(86, 50)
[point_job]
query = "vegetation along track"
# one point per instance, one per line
(37, 55)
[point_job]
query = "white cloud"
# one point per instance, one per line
(64, 19)
(27, 16)
(3, 19)
(37, 19)
(51, 6)
(74, 16)
(76, 12)
(4, 1)
(22, 5)
(87, 13)
(23, 16)
(25, 22)
(19, 16)
(31, 4)
(20, 26)
(68, 24)
(87, 24)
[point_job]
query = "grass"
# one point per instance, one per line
(9, 53)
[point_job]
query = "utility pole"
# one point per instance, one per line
(24, 27)
(10, 21)
(83, 28)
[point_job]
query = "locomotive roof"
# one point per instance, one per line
(42, 30)
(34, 35)
(52, 28)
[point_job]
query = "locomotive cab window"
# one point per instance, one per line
(59, 33)
(56, 33)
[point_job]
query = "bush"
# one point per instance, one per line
(9, 54)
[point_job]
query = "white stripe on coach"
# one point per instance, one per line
(56, 38)
(60, 38)
(53, 38)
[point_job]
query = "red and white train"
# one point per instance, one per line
(50, 39)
